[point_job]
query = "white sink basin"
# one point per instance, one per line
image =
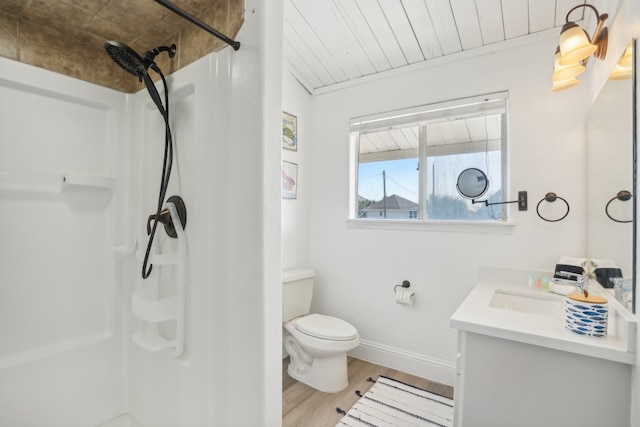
(543, 304)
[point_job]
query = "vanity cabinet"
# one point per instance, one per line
(500, 382)
(519, 366)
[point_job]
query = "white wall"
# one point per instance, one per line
(296, 212)
(357, 268)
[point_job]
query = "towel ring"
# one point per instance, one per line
(623, 196)
(552, 197)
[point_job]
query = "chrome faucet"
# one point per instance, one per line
(581, 280)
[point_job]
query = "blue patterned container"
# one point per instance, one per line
(587, 315)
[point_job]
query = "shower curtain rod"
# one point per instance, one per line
(175, 9)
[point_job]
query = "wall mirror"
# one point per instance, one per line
(472, 183)
(611, 161)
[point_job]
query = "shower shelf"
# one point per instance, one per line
(151, 309)
(53, 182)
(150, 341)
(71, 179)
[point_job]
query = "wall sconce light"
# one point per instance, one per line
(564, 76)
(623, 68)
(574, 49)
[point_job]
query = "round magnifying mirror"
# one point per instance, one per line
(472, 183)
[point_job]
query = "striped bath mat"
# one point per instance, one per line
(391, 403)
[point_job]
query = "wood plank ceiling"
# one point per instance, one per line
(484, 131)
(329, 42)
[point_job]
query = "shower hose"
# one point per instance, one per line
(166, 173)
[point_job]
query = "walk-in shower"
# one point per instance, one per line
(138, 66)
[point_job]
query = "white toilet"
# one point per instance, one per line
(317, 344)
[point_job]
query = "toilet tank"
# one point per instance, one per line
(297, 290)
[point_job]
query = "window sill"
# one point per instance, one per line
(494, 227)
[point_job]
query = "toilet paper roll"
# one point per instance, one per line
(404, 296)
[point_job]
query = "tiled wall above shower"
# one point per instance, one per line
(67, 36)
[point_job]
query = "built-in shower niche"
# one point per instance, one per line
(159, 302)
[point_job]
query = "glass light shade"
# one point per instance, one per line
(565, 72)
(627, 57)
(564, 84)
(620, 73)
(575, 45)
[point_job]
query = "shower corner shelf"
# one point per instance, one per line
(151, 342)
(152, 310)
(72, 179)
(54, 182)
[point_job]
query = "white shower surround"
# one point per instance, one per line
(61, 322)
(226, 124)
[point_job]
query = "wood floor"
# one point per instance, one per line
(308, 407)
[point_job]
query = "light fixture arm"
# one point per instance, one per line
(600, 35)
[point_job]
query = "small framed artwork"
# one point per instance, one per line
(289, 131)
(289, 180)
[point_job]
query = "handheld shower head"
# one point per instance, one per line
(136, 65)
(127, 59)
(133, 63)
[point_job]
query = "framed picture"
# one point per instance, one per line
(289, 131)
(289, 180)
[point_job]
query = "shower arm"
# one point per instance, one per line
(175, 9)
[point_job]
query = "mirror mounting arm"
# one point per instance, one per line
(522, 201)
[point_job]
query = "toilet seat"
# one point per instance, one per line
(326, 327)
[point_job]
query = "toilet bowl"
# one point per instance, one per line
(318, 346)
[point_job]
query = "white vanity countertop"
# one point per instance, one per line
(476, 315)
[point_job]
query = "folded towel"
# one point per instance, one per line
(604, 270)
(568, 267)
(568, 271)
(606, 276)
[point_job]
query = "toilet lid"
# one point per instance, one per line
(326, 327)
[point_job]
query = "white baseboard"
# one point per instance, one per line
(437, 370)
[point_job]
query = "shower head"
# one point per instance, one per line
(133, 63)
(127, 59)
(137, 66)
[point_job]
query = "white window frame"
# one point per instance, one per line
(418, 116)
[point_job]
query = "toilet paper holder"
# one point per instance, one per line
(403, 295)
(405, 284)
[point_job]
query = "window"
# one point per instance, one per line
(408, 162)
